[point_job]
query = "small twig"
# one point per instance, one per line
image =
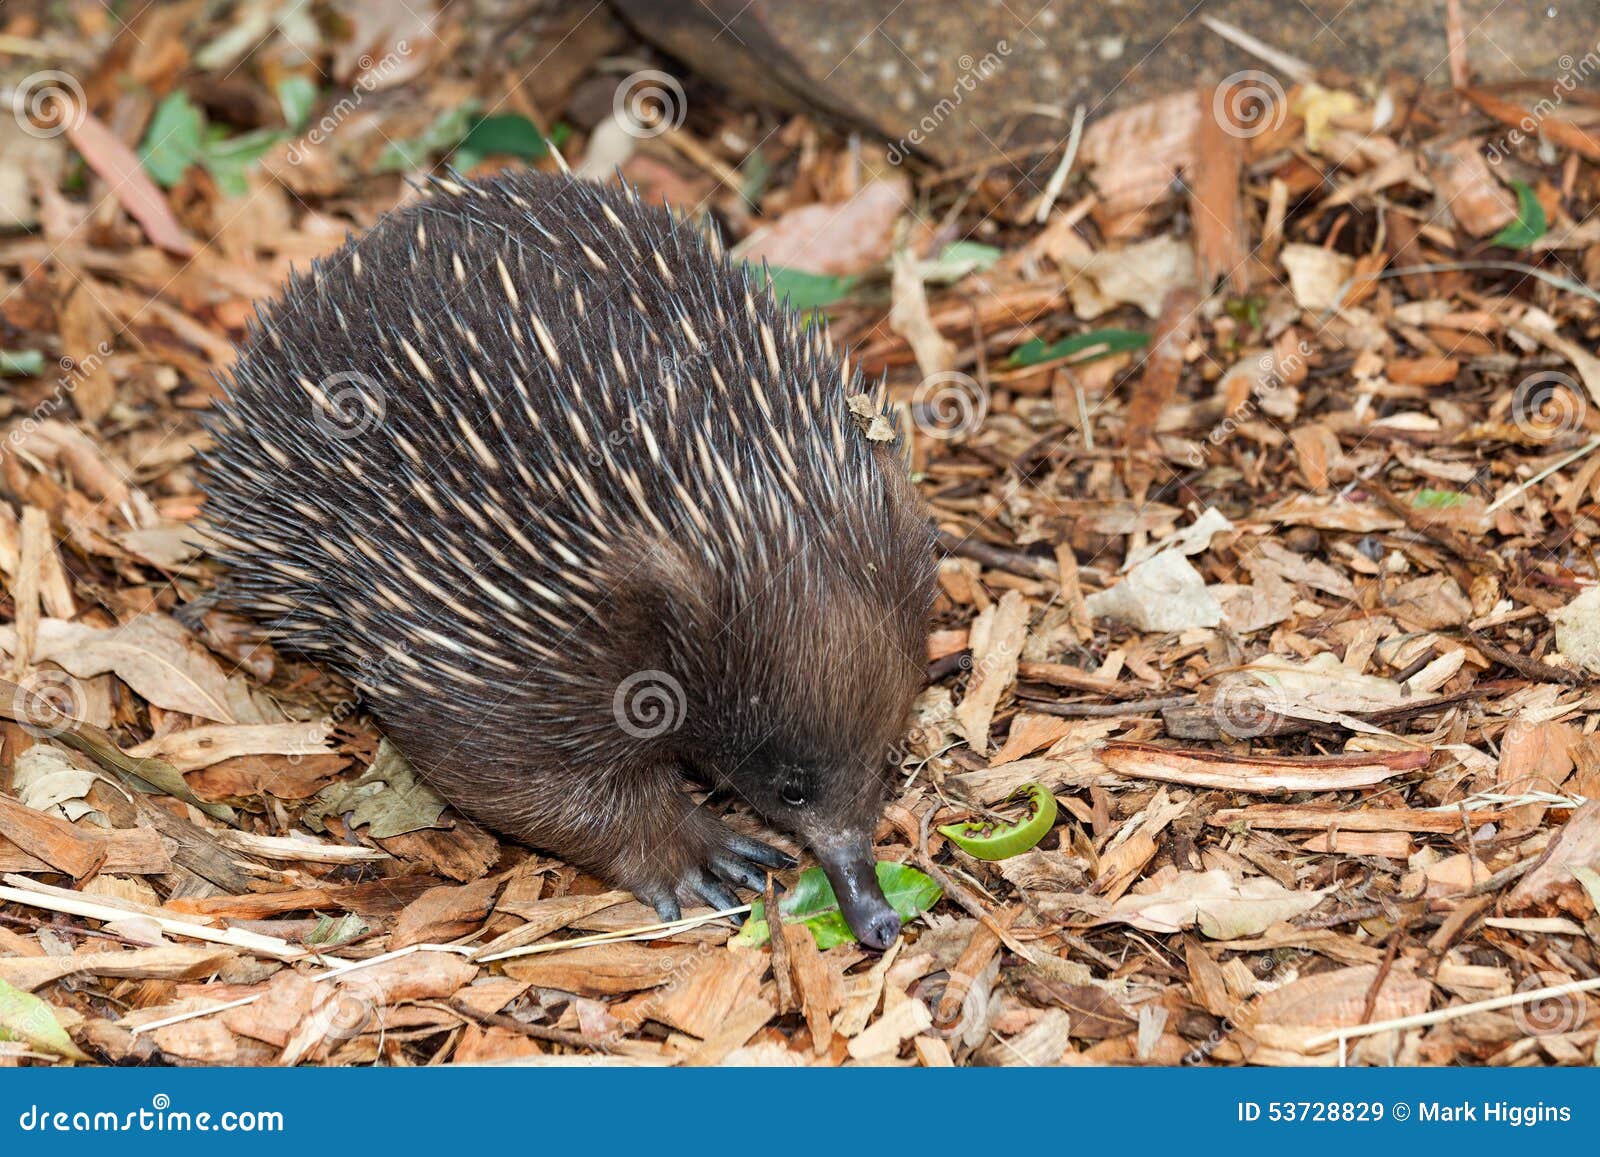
(1524, 666)
(1501, 878)
(619, 934)
(1440, 1016)
(1291, 66)
(1058, 179)
(1582, 452)
(782, 977)
(353, 966)
(999, 558)
(1443, 535)
(1347, 916)
(1370, 1005)
(61, 900)
(1105, 710)
(556, 1036)
(71, 930)
(1471, 267)
(1384, 907)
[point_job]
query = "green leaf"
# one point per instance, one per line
(1530, 224)
(958, 259)
(805, 291)
(174, 139)
(330, 933)
(1246, 310)
(1430, 499)
(985, 841)
(26, 1018)
(501, 135)
(21, 363)
(229, 159)
(1097, 343)
(297, 96)
(811, 902)
(178, 137)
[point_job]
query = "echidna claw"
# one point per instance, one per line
(738, 873)
(759, 851)
(730, 861)
(663, 901)
(711, 890)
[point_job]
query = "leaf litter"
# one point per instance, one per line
(1267, 554)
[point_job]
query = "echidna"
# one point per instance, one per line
(586, 516)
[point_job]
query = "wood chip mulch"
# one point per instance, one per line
(1292, 602)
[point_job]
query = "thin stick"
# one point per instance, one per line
(74, 905)
(347, 966)
(1516, 491)
(1471, 266)
(619, 934)
(1109, 710)
(1455, 1012)
(1058, 179)
(1291, 66)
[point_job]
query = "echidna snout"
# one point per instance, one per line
(591, 456)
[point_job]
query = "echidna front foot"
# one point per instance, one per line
(706, 863)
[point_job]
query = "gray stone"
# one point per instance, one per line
(959, 80)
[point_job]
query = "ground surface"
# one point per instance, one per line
(1260, 426)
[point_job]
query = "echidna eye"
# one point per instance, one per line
(793, 795)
